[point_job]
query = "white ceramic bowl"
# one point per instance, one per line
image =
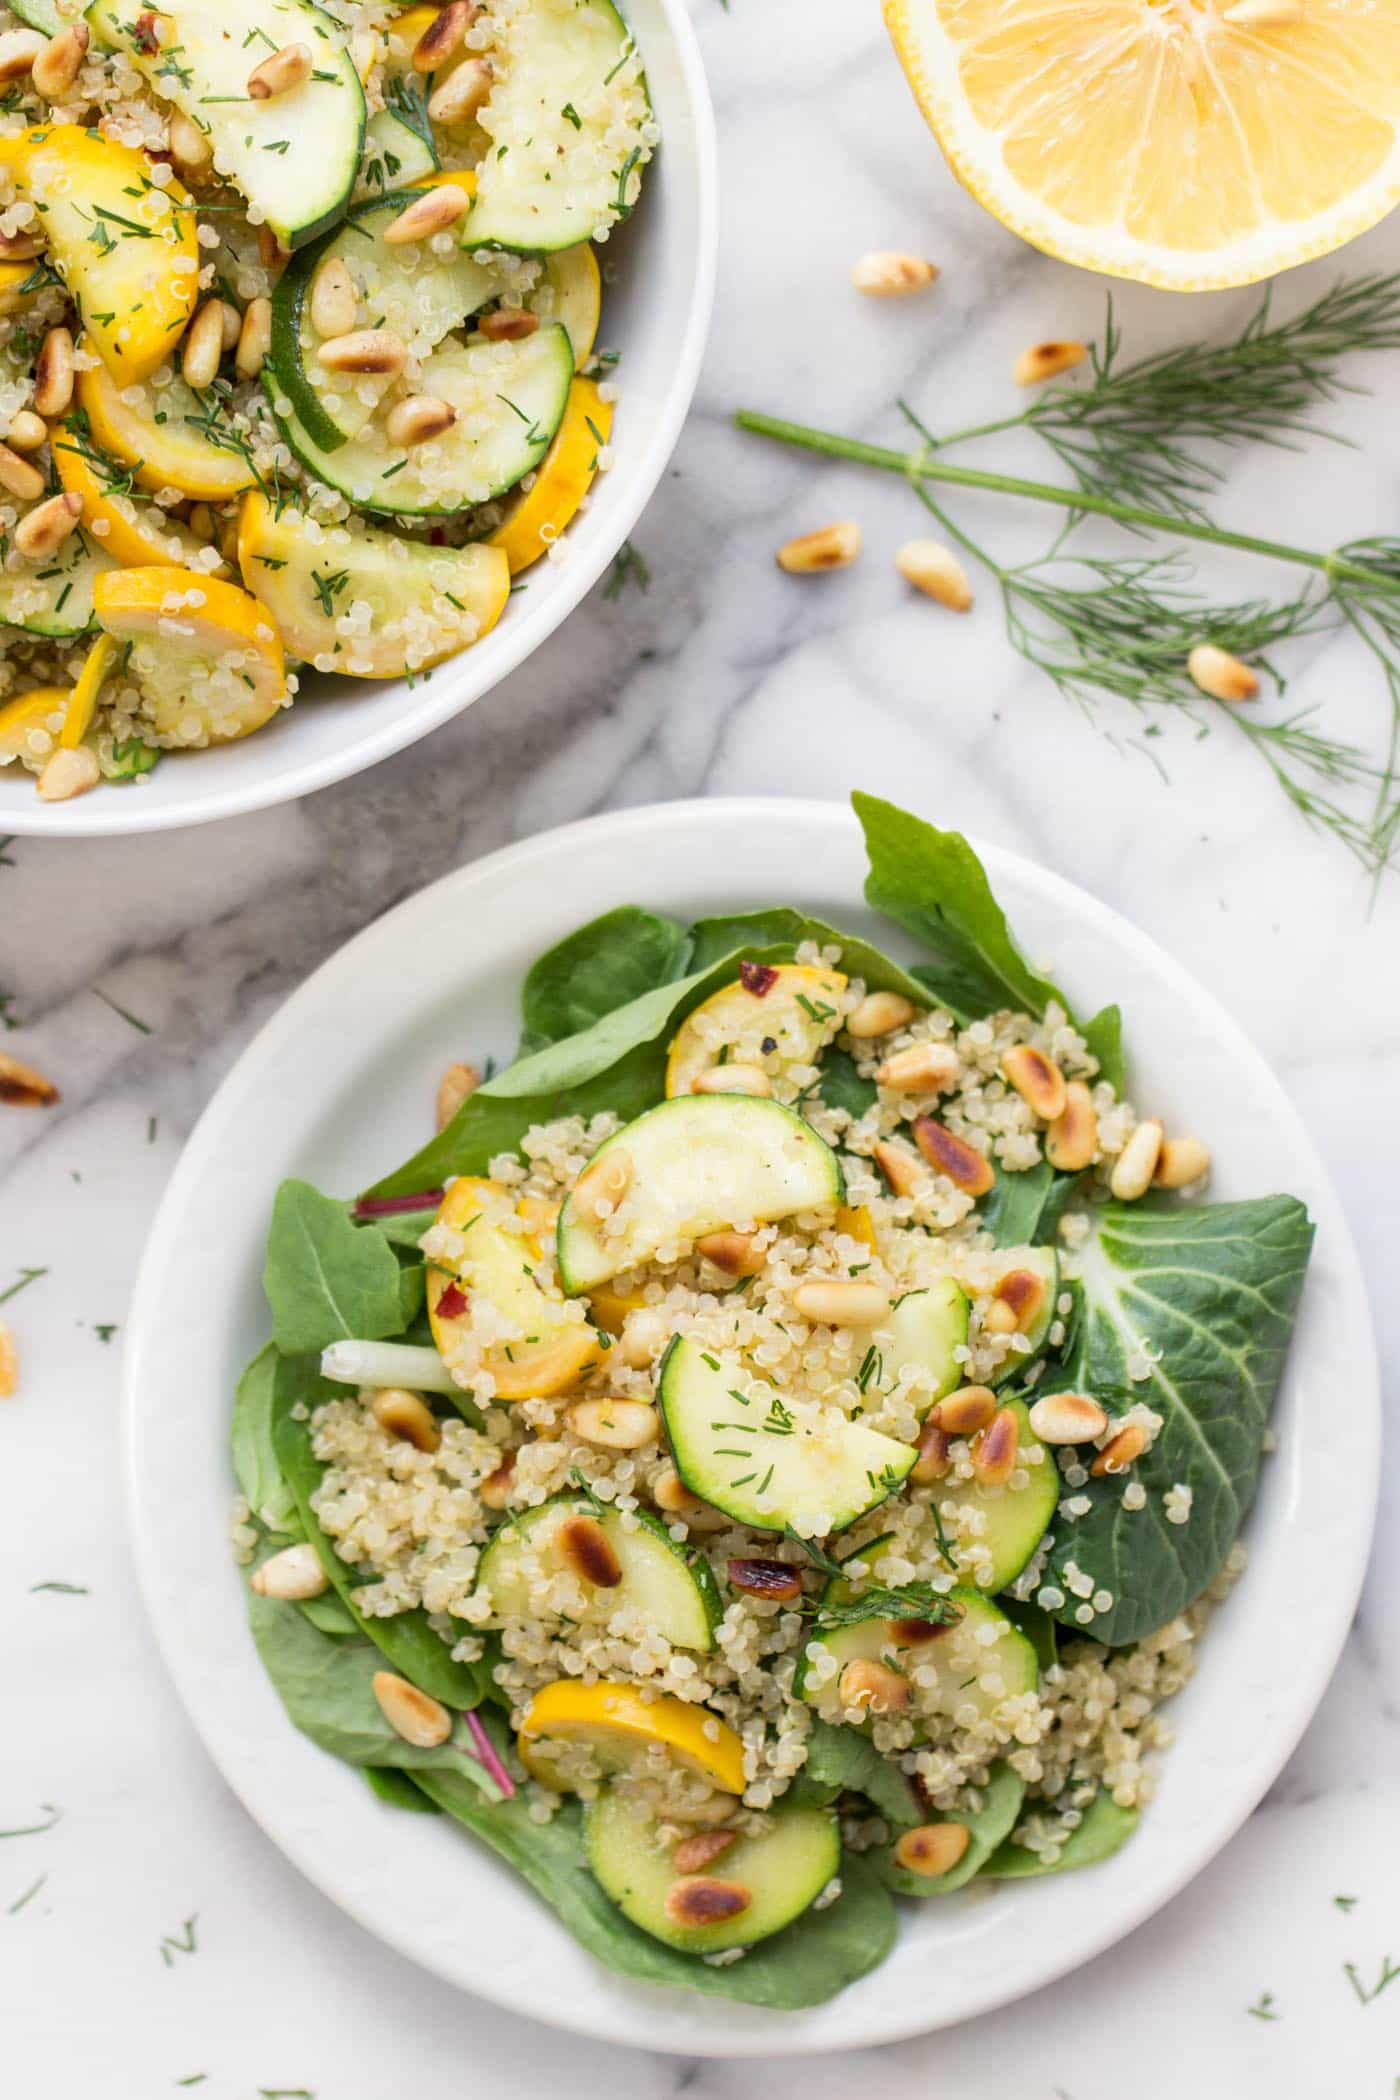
(656, 311)
(341, 1100)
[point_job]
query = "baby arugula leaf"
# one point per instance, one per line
(254, 1460)
(843, 1760)
(1105, 1827)
(1200, 1300)
(605, 964)
(987, 1827)
(328, 1280)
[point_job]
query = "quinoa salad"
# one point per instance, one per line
(299, 367)
(776, 1450)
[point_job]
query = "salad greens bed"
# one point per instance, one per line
(1184, 1306)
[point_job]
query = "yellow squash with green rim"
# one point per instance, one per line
(620, 1726)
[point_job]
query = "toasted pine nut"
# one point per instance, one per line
(994, 1452)
(27, 432)
(188, 144)
(454, 1087)
(410, 1713)
(731, 1251)
(778, 1581)
(645, 1333)
(271, 253)
(494, 1490)
(59, 63)
(418, 419)
(203, 346)
(999, 1318)
(254, 338)
(1180, 1162)
(462, 93)
(20, 247)
(1068, 1418)
(936, 571)
(18, 50)
(693, 1854)
(1137, 1162)
(886, 274)
(924, 1068)
(407, 1417)
(508, 324)
(829, 547)
(431, 212)
(18, 477)
(1221, 675)
(965, 1412)
(1073, 1138)
(899, 1166)
(605, 1180)
(335, 304)
(1021, 1292)
(366, 350)
(615, 1425)
(874, 1687)
(1037, 1079)
(699, 1899)
(42, 531)
(22, 1087)
(1045, 360)
(232, 321)
(69, 773)
(670, 1493)
(879, 1013)
(443, 37)
(932, 1848)
(946, 1154)
(732, 1079)
(839, 1301)
(293, 1574)
(280, 71)
(53, 374)
(9, 1363)
(932, 1461)
(589, 1552)
(1120, 1451)
(1263, 14)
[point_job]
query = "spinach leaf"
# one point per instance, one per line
(807, 1963)
(254, 1460)
(328, 1280)
(592, 972)
(1036, 1624)
(776, 934)
(986, 1827)
(326, 1687)
(932, 883)
(328, 1615)
(402, 1228)
(841, 1085)
(1208, 1294)
(1106, 1826)
(398, 1790)
(1024, 1209)
(406, 1641)
(842, 1760)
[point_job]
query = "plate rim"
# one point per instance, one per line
(778, 2036)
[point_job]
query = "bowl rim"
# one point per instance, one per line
(754, 2032)
(441, 700)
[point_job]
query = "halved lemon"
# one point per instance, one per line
(1185, 143)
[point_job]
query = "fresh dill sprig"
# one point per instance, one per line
(912, 1600)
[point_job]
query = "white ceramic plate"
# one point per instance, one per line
(339, 1086)
(656, 310)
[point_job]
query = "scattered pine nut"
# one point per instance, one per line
(42, 531)
(9, 1363)
(873, 1687)
(936, 571)
(27, 432)
(254, 338)
(508, 324)
(60, 61)
(407, 1417)
(1037, 1079)
(1021, 1293)
(932, 1848)
(19, 477)
(951, 1155)
(693, 1854)
(1046, 360)
(292, 1575)
(1180, 1162)
(932, 1461)
(829, 547)
(410, 1713)
(924, 1068)
(1137, 1162)
(68, 774)
(494, 1491)
(1068, 1418)
(419, 419)
(839, 1301)
(731, 1251)
(879, 1013)
(589, 1552)
(965, 1412)
(365, 350)
(188, 144)
(994, 1452)
(335, 304)
(670, 1493)
(777, 1580)
(615, 1425)
(19, 48)
(444, 37)
(462, 93)
(280, 71)
(900, 1167)
(203, 346)
(887, 274)
(1221, 675)
(22, 1087)
(1120, 1451)
(699, 1900)
(457, 1083)
(431, 212)
(605, 1180)
(732, 1079)
(1072, 1140)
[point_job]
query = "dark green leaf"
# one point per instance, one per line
(1209, 1292)
(776, 934)
(254, 1460)
(1024, 1209)
(1104, 1036)
(413, 1283)
(1106, 1826)
(843, 1760)
(327, 1280)
(986, 1826)
(398, 1790)
(841, 1085)
(1035, 1624)
(606, 964)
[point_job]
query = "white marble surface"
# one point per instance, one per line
(724, 676)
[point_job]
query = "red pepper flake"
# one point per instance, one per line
(775, 1579)
(452, 1303)
(757, 978)
(145, 37)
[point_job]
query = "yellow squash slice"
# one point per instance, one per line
(126, 250)
(562, 481)
(795, 1011)
(176, 452)
(550, 1351)
(620, 1726)
(134, 533)
(204, 654)
(1186, 143)
(38, 713)
(82, 701)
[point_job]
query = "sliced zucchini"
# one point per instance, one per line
(673, 1590)
(403, 286)
(395, 153)
(696, 1165)
(509, 398)
(1044, 1264)
(738, 1445)
(777, 1874)
(993, 1531)
(425, 602)
(922, 1336)
(551, 1347)
(54, 597)
(295, 155)
(968, 1672)
(39, 14)
(1105, 1827)
(773, 1017)
(569, 126)
(624, 1730)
